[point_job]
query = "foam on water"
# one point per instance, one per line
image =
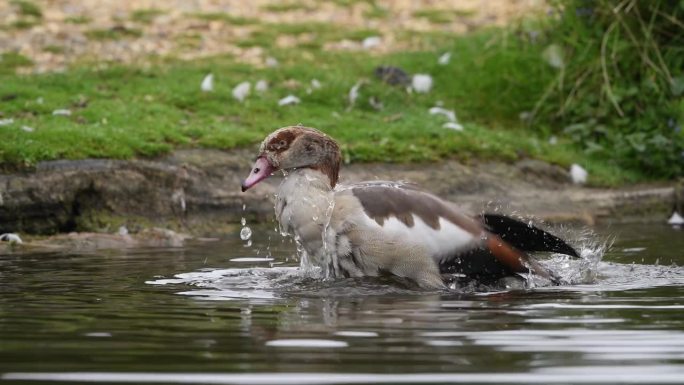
(307, 343)
(278, 282)
(585, 274)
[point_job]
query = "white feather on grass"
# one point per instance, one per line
(288, 100)
(371, 42)
(261, 86)
(578, 174)
(421, 83)
(61, 112)
(272, 62)
(453, 126)
(354, 93)
(241, 91)
(207, 83)
(450, 114)
(444, 59)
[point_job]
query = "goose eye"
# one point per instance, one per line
(282, 143)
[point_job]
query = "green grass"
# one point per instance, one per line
(224, 17)
(283, 7)
(53, 49)
(145, 16)
(27, 8)
(78, 20)
(266, 34)
(25, 23)
(441, 16)
(116, 33)
(9, 61)
(351, 3)
(30, 15)
(376, 12)
(493, 77)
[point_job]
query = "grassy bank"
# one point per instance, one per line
(494, 81)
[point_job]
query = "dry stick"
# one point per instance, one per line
(636, 43)
(606, 78)
(673, 20)
(575, 88)
(546, 95)
(647, 32)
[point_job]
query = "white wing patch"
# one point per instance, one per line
(448, 239)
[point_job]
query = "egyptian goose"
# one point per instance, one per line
(375, 228)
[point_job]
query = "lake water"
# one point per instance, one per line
(212, 313)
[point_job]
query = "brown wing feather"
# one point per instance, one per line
(494, 257)
(381, 200)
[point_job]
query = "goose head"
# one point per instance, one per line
(295, 147)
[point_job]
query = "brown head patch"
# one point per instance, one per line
(281, 141)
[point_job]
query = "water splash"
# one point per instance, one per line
(583, 270)
(245, 232)
(329, 238)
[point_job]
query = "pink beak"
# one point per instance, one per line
(261, 170)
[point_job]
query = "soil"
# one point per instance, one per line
(101, 31)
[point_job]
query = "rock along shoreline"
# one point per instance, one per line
(198, 192)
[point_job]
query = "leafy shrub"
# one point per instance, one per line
(619, 91)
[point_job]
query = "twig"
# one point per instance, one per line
(546, 94)
(573, 91)
(606, 78)
(649, 38)
(636, 43)
(673, 20)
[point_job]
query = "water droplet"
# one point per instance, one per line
(243, 221)
(245, 233)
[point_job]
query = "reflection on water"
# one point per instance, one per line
(222, 313)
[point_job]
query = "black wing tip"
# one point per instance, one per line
(526, 236)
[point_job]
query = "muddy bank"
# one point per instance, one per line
(198, 192)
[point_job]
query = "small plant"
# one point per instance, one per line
(114, 33)
(286, 7)
(225, 17)
(351, 3)
(29, 14)
(27, 9)
(376, 12)
(56, 49)
(145, 16)
(9, 61)
(441, 16)
(78, 20)
(24, 23)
